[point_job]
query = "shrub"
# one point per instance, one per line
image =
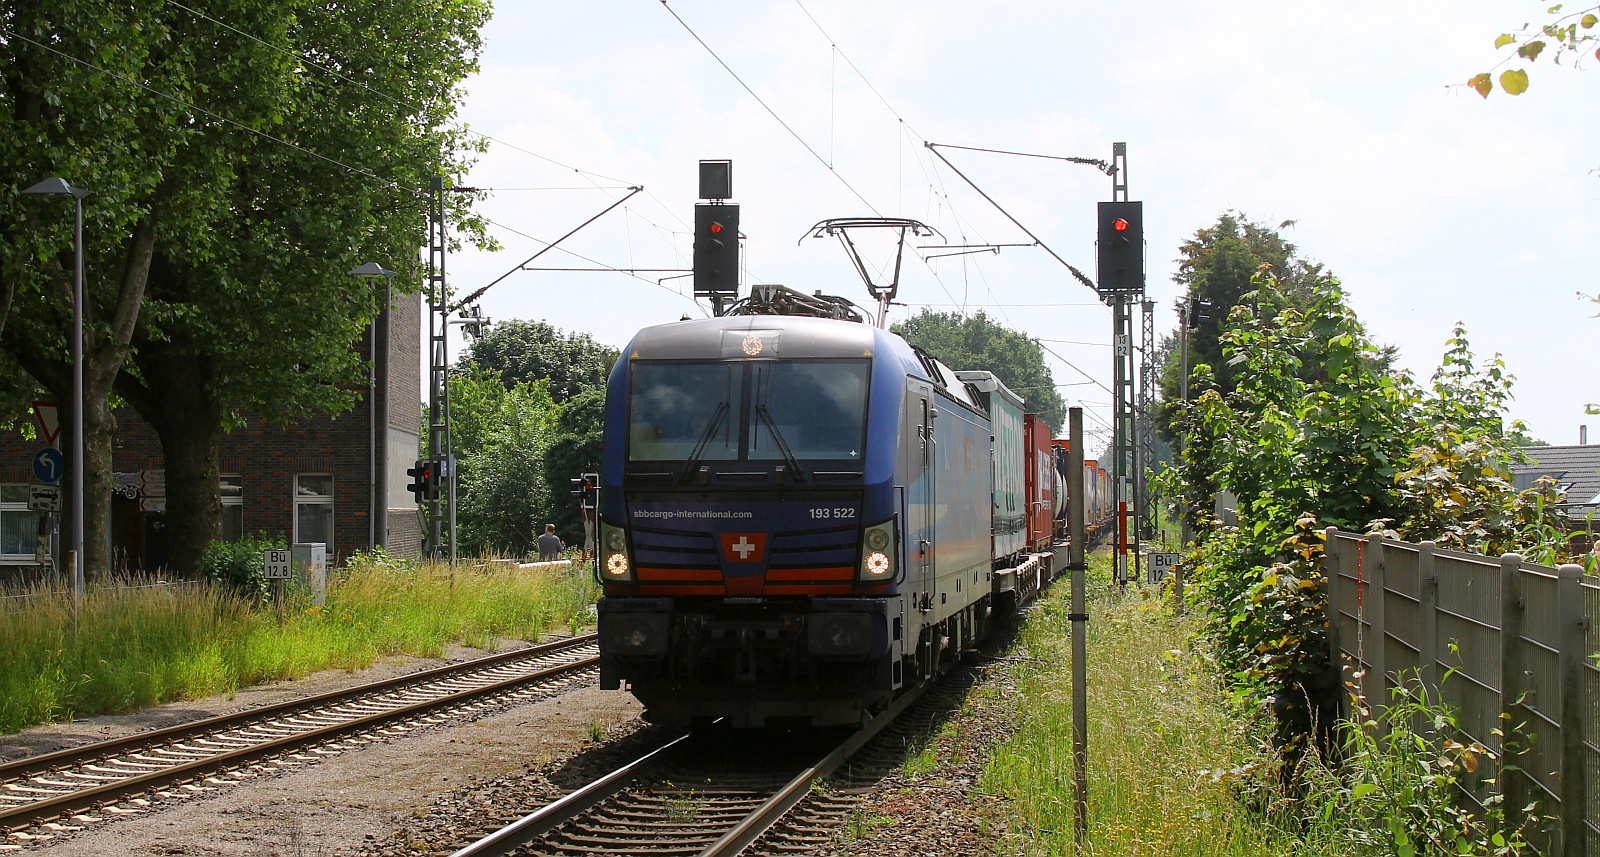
(239, 565)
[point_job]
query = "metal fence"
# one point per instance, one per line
(1521, 654)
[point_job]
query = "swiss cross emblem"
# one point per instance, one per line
(744, 547)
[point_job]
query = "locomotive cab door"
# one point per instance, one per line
(918, 450)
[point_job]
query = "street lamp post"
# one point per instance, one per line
(377, 515)
(59, 187)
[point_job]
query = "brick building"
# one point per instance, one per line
(312, 482)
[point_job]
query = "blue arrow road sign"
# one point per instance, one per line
(48, 465)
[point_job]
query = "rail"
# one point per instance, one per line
(40, 789)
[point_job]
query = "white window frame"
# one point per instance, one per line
(313, 500)
(17, 506)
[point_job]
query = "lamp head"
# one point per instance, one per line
(55, 186)
(373, 269)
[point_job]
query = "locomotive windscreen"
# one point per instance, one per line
(807, 410)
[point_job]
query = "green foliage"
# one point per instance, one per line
(242, 159)
(978, 342)
(501, 437)
(1349, 445)
(1564, 34)
(1398, 788)
(526, 351)
(240, 565)
(1300, 450)
(1220, 264)
(575, 449)
(1458, 490)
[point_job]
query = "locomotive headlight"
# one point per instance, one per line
(616, 564)
(877, 553)
(877, 539)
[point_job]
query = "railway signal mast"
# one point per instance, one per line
(1120, 284)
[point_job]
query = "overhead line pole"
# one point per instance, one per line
(438, 372)
(1147, 440)
(1125, 449)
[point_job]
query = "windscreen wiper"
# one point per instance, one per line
(705, 438)
(794, 463)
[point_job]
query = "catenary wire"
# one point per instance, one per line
(768, 108)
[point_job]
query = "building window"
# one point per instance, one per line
(232, 507)
(19, 528)
(313, 509)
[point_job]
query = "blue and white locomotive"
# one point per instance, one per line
(797, 519)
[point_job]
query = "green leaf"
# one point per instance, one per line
(1588, 20)
(1482, 83)
(1530, 50)
(1514, 81)
(1362, 790)
(1505, 39)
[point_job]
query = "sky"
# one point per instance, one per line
(1432, 205)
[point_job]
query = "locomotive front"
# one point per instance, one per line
(747, 521)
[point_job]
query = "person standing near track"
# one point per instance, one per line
(549, 544)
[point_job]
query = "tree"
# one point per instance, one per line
(575, 448)
(521, 351)
(502, 437)
(1300, 451)
(978, 342)
(1562, 34)
(1219, 264)
(240, 167)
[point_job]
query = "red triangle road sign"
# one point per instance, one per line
(48, 420)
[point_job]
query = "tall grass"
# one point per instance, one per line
(1175, 767)
(141, 646)
(1164, 743)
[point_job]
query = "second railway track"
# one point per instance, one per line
(113, 777)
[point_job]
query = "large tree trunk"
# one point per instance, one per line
(99, 438)
(106, 337)
(188, 419)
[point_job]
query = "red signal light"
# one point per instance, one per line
(715, 227)
(1120, 225)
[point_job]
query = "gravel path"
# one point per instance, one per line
(932, 806)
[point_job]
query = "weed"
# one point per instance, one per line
(861, 824)
(683, 808)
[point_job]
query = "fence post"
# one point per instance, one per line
(1512, 784)
(1330, 569)
(1377, 668)
(1428, 635)
(1574, 789)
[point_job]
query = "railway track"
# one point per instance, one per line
(710, 795)
(121, 777)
